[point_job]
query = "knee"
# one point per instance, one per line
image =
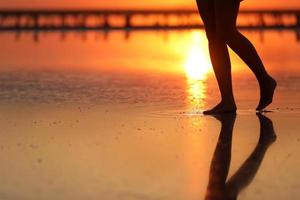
(212, 36)
(227, 34)
(222, 34)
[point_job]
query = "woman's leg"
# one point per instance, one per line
(219, 57)
(226, 14)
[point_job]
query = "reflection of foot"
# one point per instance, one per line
(226, 117)
(221, 108)
(266, 93)
(267, 133)
(227, 120)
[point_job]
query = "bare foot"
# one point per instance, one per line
(266, 93)
(221, 108)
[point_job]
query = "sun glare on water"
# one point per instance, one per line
(197, 64)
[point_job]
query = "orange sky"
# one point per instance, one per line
(139, 3)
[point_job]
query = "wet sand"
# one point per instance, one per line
(119, 134)
(133, 146)
(125, 152)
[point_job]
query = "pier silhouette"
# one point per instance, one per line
(74, 19)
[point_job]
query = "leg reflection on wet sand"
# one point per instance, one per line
(221, 188)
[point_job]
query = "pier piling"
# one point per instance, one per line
(128, 21)
(298, 19)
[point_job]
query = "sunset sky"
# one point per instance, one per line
(138, 3)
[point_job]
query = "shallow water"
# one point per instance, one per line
(170, 69)
(94, 118)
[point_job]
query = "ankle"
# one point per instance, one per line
(228, 102)
(265, 79)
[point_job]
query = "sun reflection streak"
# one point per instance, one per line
(197, 67)
(196, 94)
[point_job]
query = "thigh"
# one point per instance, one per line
(226, 12)
(207, 12)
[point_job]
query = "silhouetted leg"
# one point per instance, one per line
(226, 14)
(221, 159)
(219, 57)
(244, 176)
